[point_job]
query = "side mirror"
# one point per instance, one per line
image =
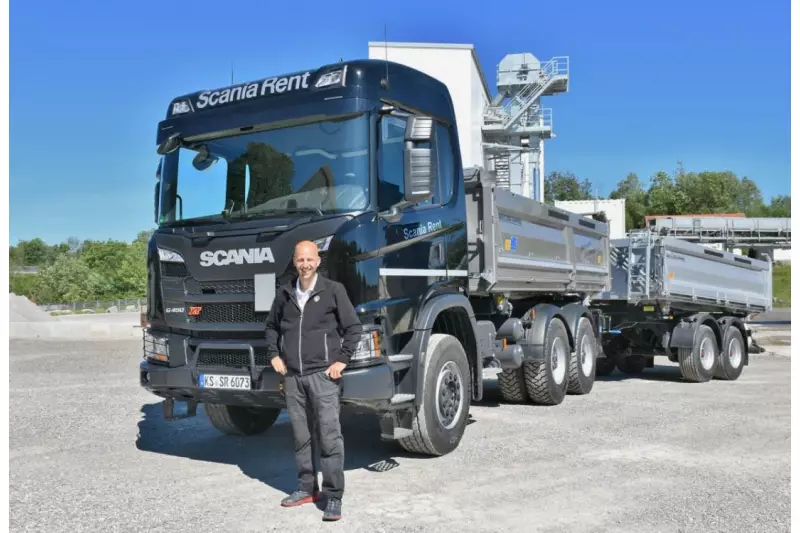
(172, 143)
(420, 163)
(203, 160)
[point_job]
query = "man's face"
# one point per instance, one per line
(306, 260)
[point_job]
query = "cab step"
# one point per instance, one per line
(402, 398)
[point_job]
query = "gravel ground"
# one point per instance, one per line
(92, 453)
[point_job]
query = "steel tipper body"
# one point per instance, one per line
(681, 300)
(370, 169)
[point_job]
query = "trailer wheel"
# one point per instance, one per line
(240, 420)
(697, 364)
(731, 356)
(512, 385)
(582, 365)
(440, 421)
(632, 365)
(605, 366)
(546, 381)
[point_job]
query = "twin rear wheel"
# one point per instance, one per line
(561, 371)
(706, 360)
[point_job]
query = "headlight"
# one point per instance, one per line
(168, 256)
(156, 347)
(369, 347)
(335, 77)
(324, 243)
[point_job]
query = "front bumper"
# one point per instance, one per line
(371, 386)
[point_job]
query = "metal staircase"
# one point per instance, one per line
(521, 110)
(639, 251)
(515, 124)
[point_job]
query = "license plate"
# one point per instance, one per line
(217, 381)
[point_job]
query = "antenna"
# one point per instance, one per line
(386, 56)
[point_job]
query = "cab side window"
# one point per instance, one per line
(446, 171)
(391, 186)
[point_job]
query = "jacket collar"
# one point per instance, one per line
(321, 285)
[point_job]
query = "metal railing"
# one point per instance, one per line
(508, 113)
(97, 306)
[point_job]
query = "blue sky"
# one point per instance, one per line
(704, 82)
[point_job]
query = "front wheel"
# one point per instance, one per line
(240, 420)
(441, 419)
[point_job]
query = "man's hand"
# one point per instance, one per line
(335, 370)
(277, 364)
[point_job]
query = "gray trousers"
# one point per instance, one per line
(312, 402)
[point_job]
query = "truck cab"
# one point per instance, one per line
(361, 157)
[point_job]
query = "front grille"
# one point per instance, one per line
(227, 313)
(231, 358)
(236, 286)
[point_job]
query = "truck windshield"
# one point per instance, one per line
(320, 167)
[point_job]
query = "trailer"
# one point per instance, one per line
(673, 298)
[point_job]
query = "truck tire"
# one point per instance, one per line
(698, 363)
(605, 366)
(731, 356)
(546, 381)
(583, 364)
(512, 385)
(442, 417)
(240, 420)
(632, 365)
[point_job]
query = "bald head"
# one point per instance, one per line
(306, 248)
(306, 261)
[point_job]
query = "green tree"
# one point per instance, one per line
(632, 190)
(565, 186)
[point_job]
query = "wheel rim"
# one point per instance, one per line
(449, 395)
(558, 358)
(586, 355)
(707, 353)
(735, 353)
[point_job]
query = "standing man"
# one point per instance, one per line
(312, 331)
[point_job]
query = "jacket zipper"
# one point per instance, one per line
(326, 348)
(300, 341)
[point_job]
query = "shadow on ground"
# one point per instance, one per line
(268, 457)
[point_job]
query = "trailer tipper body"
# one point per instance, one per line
(447, 270)
(682, 300)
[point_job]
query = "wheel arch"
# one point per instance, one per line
(569, 314)
(450, 314)
(684, 334)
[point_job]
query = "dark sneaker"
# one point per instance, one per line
(299, 497)
(333, 511)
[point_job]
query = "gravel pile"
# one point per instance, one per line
(23, 310)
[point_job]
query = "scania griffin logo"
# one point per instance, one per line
(237, 257)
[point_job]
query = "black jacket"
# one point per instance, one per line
(327, 330)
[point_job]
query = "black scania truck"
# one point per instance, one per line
(446, 271)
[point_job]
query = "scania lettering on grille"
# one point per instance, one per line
(236, 257)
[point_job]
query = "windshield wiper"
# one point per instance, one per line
(276, 212)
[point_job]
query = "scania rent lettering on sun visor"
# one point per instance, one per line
(446, 270)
